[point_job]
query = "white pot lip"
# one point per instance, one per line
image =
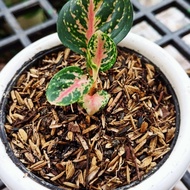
(175, 73)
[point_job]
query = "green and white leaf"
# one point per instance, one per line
(101, 53)
(68, 86)
(79, 19)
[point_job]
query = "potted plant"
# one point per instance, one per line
(96, 140)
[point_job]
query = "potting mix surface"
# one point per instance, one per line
(120, 145)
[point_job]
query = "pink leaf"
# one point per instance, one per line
(91, 20)
(94, 103)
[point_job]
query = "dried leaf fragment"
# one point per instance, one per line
(145, 162)
(35, 149)
(82, 141)
(22, 135)
(70, 169)
(70, 136)
(72, 185)
(18, 143)
(92, 173)
(128, 178)
(170, 134)
(87, 130)
(19, 98)
(137, 148)
(38, 165)
(99, 154)
(29, 157)
(144, 127)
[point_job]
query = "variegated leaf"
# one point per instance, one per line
(68, 86)
(94, 103)
(79, 19)
(101, 53)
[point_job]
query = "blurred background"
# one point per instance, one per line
(165, 22)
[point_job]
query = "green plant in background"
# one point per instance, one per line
(10, 3)
(32, 17)
(91, 28)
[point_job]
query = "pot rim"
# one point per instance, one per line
(182, 89)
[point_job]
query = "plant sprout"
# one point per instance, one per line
(91, 28)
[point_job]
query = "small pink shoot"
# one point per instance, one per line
(93, 103)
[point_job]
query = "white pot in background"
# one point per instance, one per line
(178, 161)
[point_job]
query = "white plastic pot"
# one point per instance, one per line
(175, 165)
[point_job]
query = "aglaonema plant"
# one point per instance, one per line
(91, 28)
